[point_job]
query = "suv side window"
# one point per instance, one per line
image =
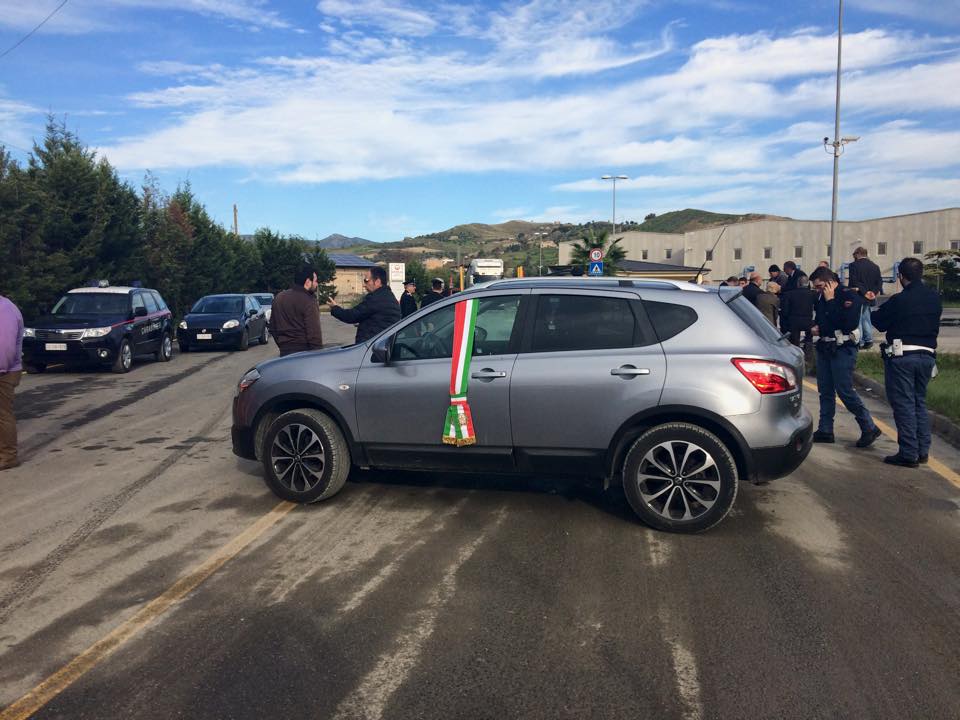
(138, 301)
(160, 303)
(431, 336)
(668, 319)
(150, 302)
(565, 323)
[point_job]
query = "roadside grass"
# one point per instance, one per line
(951, 303)
(943, 392)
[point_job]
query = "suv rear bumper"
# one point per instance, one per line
(777, 462)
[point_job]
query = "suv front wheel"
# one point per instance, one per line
(305, 457)
(680, 477)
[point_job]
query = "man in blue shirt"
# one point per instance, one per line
(11, 349)
(911, 319)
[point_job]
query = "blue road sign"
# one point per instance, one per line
(596, 268)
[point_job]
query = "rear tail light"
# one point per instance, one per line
(767, 376)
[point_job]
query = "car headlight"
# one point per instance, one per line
(96, 332)
(248, 379)
(183, 324)
(230, 324)
(29, 332)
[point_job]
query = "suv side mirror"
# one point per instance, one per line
(140, 311)
(382, 349)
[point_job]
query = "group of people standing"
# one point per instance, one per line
(838, 320)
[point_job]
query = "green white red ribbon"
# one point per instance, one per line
(458, 426)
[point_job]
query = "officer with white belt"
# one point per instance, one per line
(911, 319)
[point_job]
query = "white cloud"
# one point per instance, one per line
(14, 123)
(944, 11)
(395, 17)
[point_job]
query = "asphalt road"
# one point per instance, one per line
(140, 554)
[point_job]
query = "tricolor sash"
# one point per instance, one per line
(458, 426)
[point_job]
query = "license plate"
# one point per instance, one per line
(200, 336)
(55, 346)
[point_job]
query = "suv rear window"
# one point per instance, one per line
(565, 323)
(669, 320)
(747, 312)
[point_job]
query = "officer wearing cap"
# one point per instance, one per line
(911, 319)
(837, 312)
(408, 301)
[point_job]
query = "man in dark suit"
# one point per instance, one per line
(793, 275)
(866, 281)
(436, 293)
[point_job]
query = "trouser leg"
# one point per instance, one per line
(924, 366)
(8, 423)
(843, 364)
(901, 394)
(828, 397)
(866, 327)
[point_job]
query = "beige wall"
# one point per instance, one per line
(935, 230)
(349, 281)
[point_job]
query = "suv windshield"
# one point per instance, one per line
(218, 305)
(265, 300)
(92, 304)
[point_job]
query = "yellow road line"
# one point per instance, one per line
(938, 467)
(99, 651)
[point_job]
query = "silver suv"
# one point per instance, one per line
(675, 390)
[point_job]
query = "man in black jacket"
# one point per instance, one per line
(837, 316)
(796, 311)
(408, 301)
(866, 281)
(377, 311)
(752, 289)
(436, 293)
(793, 275)
(911, 319)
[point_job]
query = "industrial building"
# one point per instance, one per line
(757, 244)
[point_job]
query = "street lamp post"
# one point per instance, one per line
(836, 147)
(614, 178)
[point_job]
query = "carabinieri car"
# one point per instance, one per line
(232, 320)
(100, 326)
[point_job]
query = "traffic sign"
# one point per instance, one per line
(596, 268)
(596, 255)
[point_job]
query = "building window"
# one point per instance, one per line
(668, 253)
(955, 244)
(829, 250)
(767, 253)
(708, 256)
(918, 248)
(881, 248)
(738, 253)
(798, 251)
(644, 254)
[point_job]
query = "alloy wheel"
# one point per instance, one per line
(298, 457)
(678, 480)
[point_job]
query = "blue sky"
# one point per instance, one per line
(386, 118)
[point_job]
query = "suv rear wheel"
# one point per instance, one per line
(680, 477)
(305, 457)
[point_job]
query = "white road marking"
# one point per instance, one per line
(658, 548)
(385, 572)
(685, 668)
(371, 696)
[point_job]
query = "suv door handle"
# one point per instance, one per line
(629, 371)
(487, 374)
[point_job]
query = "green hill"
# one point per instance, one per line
(680, 221)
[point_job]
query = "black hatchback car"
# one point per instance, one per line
(232, 320)
(104, 325)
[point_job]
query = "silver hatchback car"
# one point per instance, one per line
(675, 390)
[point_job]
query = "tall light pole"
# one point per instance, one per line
(614, 178)
(837, 144)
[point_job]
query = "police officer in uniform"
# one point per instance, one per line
(837, 316)
(408, 301)
(911, 319)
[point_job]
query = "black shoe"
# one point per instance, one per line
(922, 459)
(900, 461)
(867, 437)
(823, 437)
(866, 346)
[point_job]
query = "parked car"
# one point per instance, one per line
(230, 320)
(266, 301)
(102, 325)
(677, 391)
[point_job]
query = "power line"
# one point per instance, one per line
(22, 40)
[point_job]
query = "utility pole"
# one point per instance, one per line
(236, 227)
(613, 221)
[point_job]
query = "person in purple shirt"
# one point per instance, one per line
(11, 347)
